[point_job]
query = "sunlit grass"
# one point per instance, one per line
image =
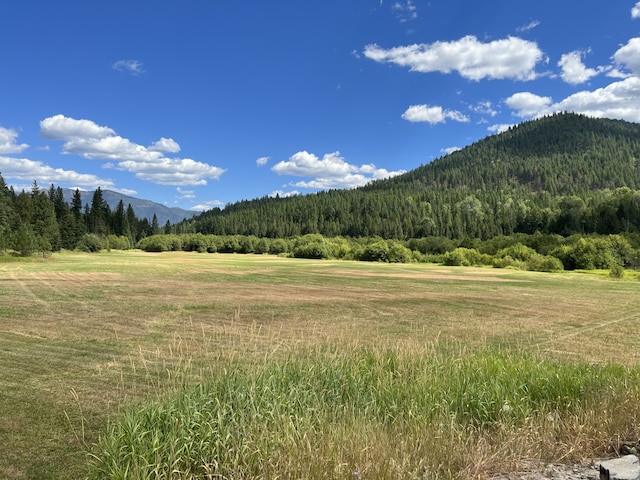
(371, 413)
(86, 340)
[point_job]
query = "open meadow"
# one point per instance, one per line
(307, 369)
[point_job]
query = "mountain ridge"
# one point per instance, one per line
(142, 208)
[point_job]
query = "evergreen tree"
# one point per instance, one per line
(99, 215)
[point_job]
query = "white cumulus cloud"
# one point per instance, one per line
(432, 114)
(449, 150)
(207, 205)
(8, 141)
(168, 145)
(60, 127)
(29, 170)
(330, 171)
(574, 71)
(512, 57)
(620, 100)
(283, 194)
(527, 104)
(635, 11)
(499, 128)
(629, 55)
(92, 141)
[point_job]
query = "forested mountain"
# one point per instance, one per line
(142, 208)
(565, 174)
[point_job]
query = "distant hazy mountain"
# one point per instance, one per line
(142, 208)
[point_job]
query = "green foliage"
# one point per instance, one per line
(42, 221)
(616, 271)
(261, 423)
(563, 174)
(466, 257)
(90, 242)
(311, 246)
(23, 241)
(544, 263)
(376, 252)
(118, 242)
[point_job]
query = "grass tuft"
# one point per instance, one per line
(369, 414)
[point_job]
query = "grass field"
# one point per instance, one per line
(84, 336)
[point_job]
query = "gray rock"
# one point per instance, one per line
(623, 468)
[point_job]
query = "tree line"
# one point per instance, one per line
(563, 174)
(40, 220)
(536, 252)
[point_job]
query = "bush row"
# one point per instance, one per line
(546, 253)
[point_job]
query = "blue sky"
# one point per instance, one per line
(197, 103)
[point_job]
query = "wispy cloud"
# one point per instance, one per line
(484, 107)
(134, 67)
(185, 194)
(262, 161)
(404, 11)
(635, 11)
(509, 58)
(529, 26)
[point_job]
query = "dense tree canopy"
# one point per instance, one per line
(562, 174)
(42, 221)
(555, 177)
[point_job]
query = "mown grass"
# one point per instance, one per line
(90, 341)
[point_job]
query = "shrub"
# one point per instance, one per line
(509, 262)
(316, 250)
(617, 271)
(90, 242)
(376, 252)
(544, 263)
(278, 246)
(155, 243)
(311, 246)
(466, 257)
(517, 252)
(118, 242)
(398, 253)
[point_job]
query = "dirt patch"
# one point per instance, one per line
(431, 274)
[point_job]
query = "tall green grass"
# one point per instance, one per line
(371, 414)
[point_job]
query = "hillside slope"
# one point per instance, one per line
(564, 174)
